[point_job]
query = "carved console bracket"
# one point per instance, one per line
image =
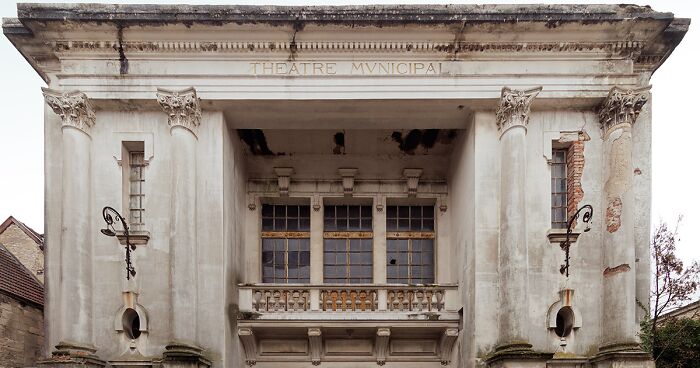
(74, 108)
(381, 344)
(249, 345)
(182, 108)
(412, 176)
(283, 179)
(447, 343)
(348, 175)
(315, 345)
(514, 108)
(621, 108)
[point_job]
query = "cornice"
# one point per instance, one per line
(620, 48)
(74, 108)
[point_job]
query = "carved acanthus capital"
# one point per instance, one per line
(74, 108)
(621, 107)
(182, 108)
(514, 108)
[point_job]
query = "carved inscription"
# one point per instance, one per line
(299, 68)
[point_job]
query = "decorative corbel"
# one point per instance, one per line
(412, 176)
(283, 179)
(447, 343)
(348, 175)
(621, 107)
(316, 202)
(182, 108)
(315, 345)
(381, 200)
(442, 204)
(514, 108)
(249, 346)
(74, 108)
(381, 344)
(251, 202)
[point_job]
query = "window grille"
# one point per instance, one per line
(559, 188)
(286, 256)
(347, 244)
(410, 244)
(137, 209)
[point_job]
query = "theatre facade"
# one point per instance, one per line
(346, 186)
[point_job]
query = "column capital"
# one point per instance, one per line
(73, 107)
(514, 107)
(621, 107)
(182, 108)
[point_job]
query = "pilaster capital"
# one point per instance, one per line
(621, 107)
(514, 107)
(74, 108)
(182, 108)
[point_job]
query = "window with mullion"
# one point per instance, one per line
(286, 256)
(347, 244)
(410, 244)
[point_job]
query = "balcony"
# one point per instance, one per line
(348, 322)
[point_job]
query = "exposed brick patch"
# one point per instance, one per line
(617, 269)
(612, 215)
(574, 170)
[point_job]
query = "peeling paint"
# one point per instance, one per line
(339, 140)
(425, 138)
(612, 215)
(615, 270)
(256, 141)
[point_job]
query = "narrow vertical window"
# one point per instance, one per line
(410, 245)
(347, 244)
(136, 193)
(286, 256)
(559, 188)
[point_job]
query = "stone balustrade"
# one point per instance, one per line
(293, 298)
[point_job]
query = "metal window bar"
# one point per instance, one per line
(137, 179)
(559, 188)
(411, 244)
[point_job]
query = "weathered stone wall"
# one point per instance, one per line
(21, 333)
(25, 249)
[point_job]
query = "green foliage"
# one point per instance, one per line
(676, 344)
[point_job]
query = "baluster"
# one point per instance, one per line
(419, 300)
(439, 297)
(335, 297)
(257, 296)
(294, 303)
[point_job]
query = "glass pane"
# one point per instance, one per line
(304, 224)
(391, 211)
(403, 211)
(292, 211)
(267, 224)
(280, 224)
(404, 225)
(268, 244)
(354, 212)
(267, 210)
(366, 211)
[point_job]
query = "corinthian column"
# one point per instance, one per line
(512, 118)
(184, 116)
(75, 284)
(618, 114)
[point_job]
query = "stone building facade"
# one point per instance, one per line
(25, 244)
(335, 186)
(21, 314)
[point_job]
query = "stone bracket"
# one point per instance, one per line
(315, 345)
(412, 176)
(447, 343)
(381, 344)
(283, 179)
(249, 345)
(348, 175)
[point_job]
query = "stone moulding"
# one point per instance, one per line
(514, 108)
(74, 108)
(182, 107)
(621, 107)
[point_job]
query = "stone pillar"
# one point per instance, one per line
(512, 118)
(184, 116)
(617, 115)
(76, 345)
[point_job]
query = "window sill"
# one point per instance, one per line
(558, 236)
(137, 237)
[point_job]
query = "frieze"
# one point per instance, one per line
(74, 108)
(621, 107)
(182, 108)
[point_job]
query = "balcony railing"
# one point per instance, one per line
(292, 298)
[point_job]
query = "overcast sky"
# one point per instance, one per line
(676, 130)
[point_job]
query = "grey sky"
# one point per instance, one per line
(676, 131)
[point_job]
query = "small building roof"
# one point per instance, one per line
(31, 233)
(17, 280)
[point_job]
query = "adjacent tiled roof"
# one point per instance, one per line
(17, 280)
(38, 238)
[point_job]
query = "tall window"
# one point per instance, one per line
(347, 244)
(136, 193)
(410, 246)
(559, 188)
(285, 243)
